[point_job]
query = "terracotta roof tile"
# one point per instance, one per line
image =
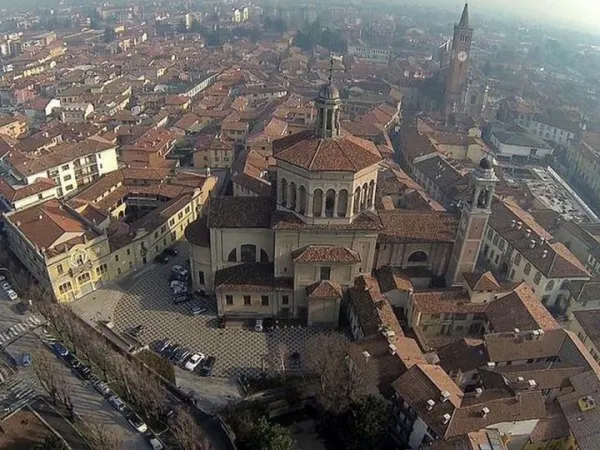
(417, 226)
(452, 300)
(481, 281)
(344, 154)
(254, 277)
(520, 309)
(325, 253)
(324, 290)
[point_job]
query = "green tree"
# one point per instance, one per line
(362, 426)
(109, 34)
(269, 436)
(51, 442)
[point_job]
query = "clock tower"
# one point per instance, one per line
(456, 77)
(473, 222)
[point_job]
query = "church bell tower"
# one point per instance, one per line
(456, 77)
(473, 222)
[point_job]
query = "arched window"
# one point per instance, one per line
(284, 191)
(329, 203)
(342, 203)
(302, 200)
(356, 201)
(232, 256)
(248, 253)
(317, 203)
(292, 204)
(371, 196)
(264, 258)
(417, 257)
(363, 201)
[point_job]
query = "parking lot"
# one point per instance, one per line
(146, 300)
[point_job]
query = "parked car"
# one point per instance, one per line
(101, 387)
(182, 297)
(6, 286)
(134, 420)
(198, 310)
(59, 349)
(137, 330)
(178, 284)
(155, 444)
(258, 325)
(26, 360)
(84, 371)
(173, 354)
(116, 402)
(2, 278)
(181, 355)
(12, 294)
(161, 346)
(161, 258)
(171, 251)
(74, 362)
(193, 361)
(207, 365)
(180, 270)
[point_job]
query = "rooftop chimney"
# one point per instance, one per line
(491, 365)
(485, 411)
(516, 333)
(478, 392)
(520, 379)
(513, 223)
(532, 244)
(430, 404)
(447, 418)
(444, 396)
(519, 225)
(532, 384)
(544, 253)
(392, 349)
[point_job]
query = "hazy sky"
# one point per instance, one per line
(575, 12)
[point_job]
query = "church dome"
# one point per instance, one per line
(329, 92)
(486, 163)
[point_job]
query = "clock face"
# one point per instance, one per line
(462, 56)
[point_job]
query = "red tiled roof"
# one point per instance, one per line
(325, 253)
(344, 154)
(324, 290)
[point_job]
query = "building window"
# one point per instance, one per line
(201, 277)
(232, 257)
(417, 257)
(128, 251)
(65, 167)
(325, 273)
(264, 300)
(550, 285)
(69, 187)
(248, 253)
(537, 278)
(66, 287)
(59, 269)
(102, 269)
(527, 269)
(118, 271)
(496, 239)
(247, 300)
(285, 300)
(229, 299)
(84, 278)
(490, 234)
(155, 234)
(518, 259)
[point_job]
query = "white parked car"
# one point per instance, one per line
(6, 286)
(136, 422)
(12, 294)
(155, 444)
(180, 270)
(177, 283)
(193, 361)
(116, 402)
(258, 326)
(2, 278)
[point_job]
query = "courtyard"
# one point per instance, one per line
(145, 299)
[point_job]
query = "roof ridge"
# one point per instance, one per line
(314, 156)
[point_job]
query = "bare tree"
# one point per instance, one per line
(277, 359)
(344, 374)
(99, 352)
(64, 396)
(47, 373)
(100, 438)
(147, 392)
(187, 433)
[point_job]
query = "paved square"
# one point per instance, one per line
(146, 299)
